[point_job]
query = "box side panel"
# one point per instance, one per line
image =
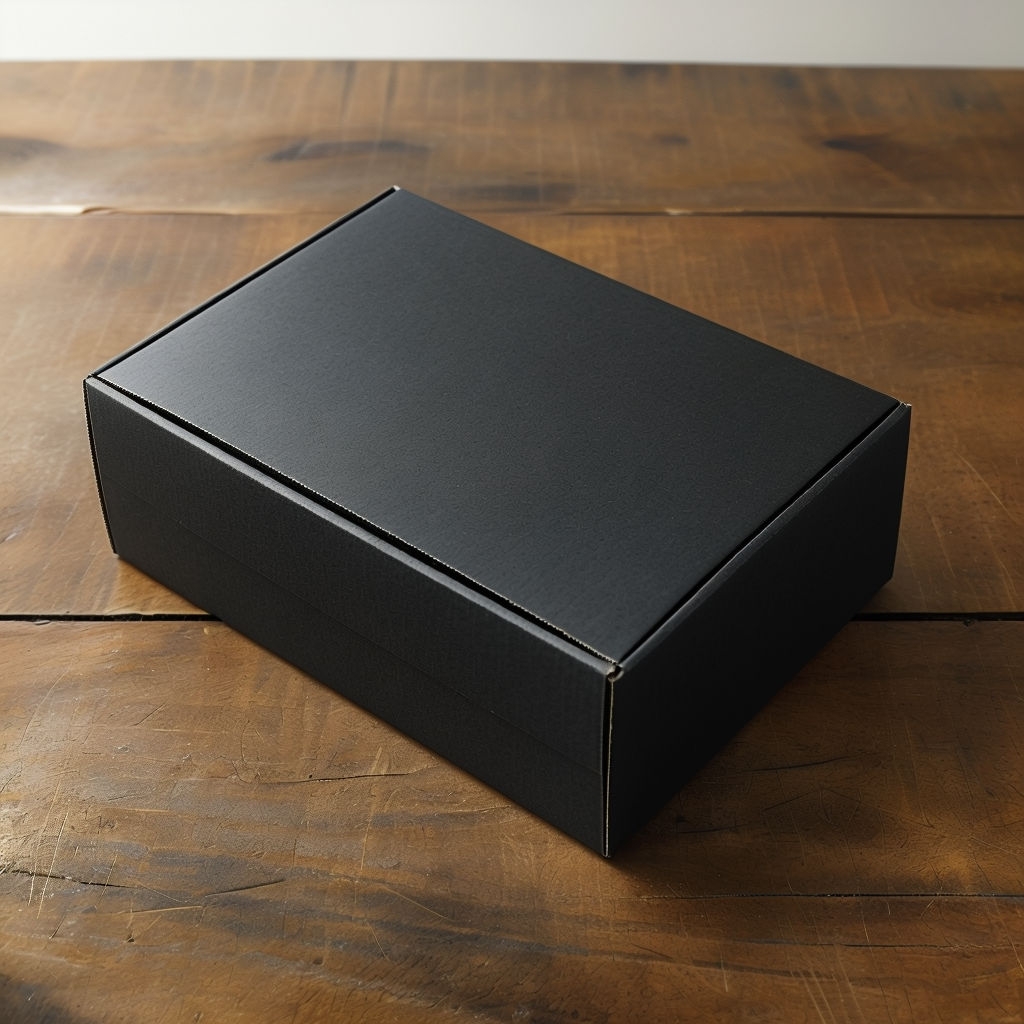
(471, 682)
(724, 653)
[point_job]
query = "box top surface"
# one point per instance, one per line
(579, 450)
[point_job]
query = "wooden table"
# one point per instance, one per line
(192, 830)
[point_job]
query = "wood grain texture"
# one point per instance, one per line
(265, 137)
(928, 310)
(73, 293)
(190, 828)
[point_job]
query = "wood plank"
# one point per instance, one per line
(300, 136)
(111, 956)
(928, 310)
(73, 293)
(191, 827)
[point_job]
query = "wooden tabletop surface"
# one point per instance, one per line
(191, 830)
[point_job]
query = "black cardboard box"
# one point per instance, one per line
(563, 533)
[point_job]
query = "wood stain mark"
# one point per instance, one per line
(18, 149)
(636, 70)
(992, 302)
(786, 78)
(899, 161)
(336, 148)
(863, 144)
(514, 193)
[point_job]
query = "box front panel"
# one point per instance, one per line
(163, 495)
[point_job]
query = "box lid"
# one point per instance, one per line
(576, 449)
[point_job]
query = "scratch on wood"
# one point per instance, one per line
(807, 977)
(375, 939)
(200, 905)
(721, 965)
(243, 888)
(852, 989)
(988, 487)
(415, 903)
(39, 706)
(42, 832)
(1013, 946)
(6, 869)
(147, 717)
(10, 778)
(111, 871)
(159, 892)
(653, 952)
(913, 769)
(337, 778)
(806, 764)
(164, 910)
(53, 861)
(366, 832)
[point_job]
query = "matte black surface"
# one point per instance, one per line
(577, 448)
(309, 559)
(399, 452)
(686, 690)
(521, 709)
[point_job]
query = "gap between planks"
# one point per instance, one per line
(82, 210)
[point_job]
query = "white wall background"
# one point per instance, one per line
(936, 32)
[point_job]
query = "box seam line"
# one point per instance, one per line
(95, 465)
